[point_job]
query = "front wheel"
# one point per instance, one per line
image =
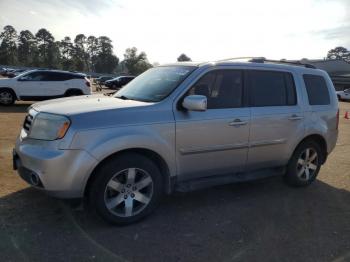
(126, 189)
(7, 98)
(304, 165)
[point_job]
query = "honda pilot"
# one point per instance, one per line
(180, 127)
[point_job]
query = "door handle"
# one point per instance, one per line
(238, 122)
(295, 117)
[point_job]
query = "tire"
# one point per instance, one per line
(126, 189)
(339, 98)
(7, 97)
(304, 165)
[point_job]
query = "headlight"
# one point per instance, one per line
(49, 126)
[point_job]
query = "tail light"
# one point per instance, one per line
(337, 119)
(88, 84)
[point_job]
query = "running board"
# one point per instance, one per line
(205, 182)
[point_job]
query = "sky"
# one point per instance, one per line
(204, 30)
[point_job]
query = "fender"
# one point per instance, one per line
(101, 143)
(314, 128)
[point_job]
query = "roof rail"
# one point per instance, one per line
(297, 63)
(241, 58)
(264, 60)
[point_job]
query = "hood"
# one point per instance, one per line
(5, 81)
(85, 104)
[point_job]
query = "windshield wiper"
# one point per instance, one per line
(123, 97)
(134, 99)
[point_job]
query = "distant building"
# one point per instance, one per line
(338, 70)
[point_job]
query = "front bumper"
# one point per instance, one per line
(61, 173)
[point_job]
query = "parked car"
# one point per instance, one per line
(102, 79)
(344, 95)
(7, 71)
(3, 71)
(180, 127)
(41, 85)
(118, 82)
(15, 72)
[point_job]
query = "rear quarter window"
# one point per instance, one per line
(317, 90)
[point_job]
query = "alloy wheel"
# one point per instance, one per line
(6, 98)
(307, 164)
(128, 192)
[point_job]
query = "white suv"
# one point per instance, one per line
(344, 95)
(39, 85)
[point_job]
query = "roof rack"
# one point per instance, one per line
(241, 58)
(264, 60)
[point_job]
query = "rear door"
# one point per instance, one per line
(277, 118)
(56, 83)
(215, 141)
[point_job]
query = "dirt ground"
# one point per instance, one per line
(259, 221)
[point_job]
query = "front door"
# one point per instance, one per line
(31, 85)
(215, 141)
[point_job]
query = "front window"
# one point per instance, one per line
(155, 84)
(32, 76)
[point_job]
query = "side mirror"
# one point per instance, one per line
(195, 103)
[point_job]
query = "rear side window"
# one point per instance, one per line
(317, 90)
(223, 88)
(270, 88)
(58, 76)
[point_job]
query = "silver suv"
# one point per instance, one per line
(180, 127)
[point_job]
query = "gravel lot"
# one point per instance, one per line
(259, 221)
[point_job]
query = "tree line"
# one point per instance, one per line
(85, 54)
(339, 53)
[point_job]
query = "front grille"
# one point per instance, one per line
(28, 122)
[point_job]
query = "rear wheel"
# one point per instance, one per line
(126, 189)
(7, 97)
(304, 165)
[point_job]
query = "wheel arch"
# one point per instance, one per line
(150, 154)
(11, 90)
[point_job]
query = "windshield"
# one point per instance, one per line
(155, 84)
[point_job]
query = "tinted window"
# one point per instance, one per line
(58, 76)
(269, 88)
(52, 76)
(223, 88)
(317, 90)
(123, 80)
